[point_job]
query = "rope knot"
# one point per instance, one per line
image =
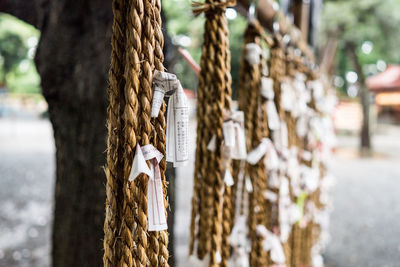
(212, 6)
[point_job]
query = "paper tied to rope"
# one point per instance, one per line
(240, 243)
(267, 91)
(272, 243)
(155, 196)
(212, 6)
(234, 135)
(288, 97)
(253, 53)
(177, 128)
(234, 145)
(267, 149)
(281, 137)
(310, 178)
(177, 116)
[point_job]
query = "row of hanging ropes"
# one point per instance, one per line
(260, 181)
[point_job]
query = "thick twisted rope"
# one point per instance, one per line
(255, 117)
(160, 124)
(114, 171)
(214, 83)
(277, 73)
(145, 97)
(227, 218)
(134, 241)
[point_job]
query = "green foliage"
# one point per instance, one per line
(18, 42)
(359, 21)
(187, 31)
(12, 50)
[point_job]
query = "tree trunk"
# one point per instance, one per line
(73, 61)
(365, 139)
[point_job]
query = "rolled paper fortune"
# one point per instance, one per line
(163, 82)
(253, 53)
(155, 196)
(177, 128)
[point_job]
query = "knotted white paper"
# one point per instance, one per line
(253, 53)
(163, 83)
(267, 149)
(228, 179)
(234, 135)
(139, 165)
(177, 128)
(155, 196)
(272, 243)
(271, 196)
(267, 92)
(240, 243)
(234, 144)
(257, 153)
(288, 97)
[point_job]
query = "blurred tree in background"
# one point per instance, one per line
(18, 42)
(368, 35)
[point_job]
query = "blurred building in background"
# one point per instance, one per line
(386, 88)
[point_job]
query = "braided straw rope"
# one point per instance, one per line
(134, 241)
(114, 168)
(159, 122)
(214, 96)
(277, 73)
(227, 218)
(250, 102)
(149, 134)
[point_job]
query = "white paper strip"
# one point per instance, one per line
(273, 117)
(240, 243)
(267, 90)
(212, 144)
(234, 135)
(253, 53)
(288, 98)
(228, 179)
(155, 196)
(257, 153)
(177, 128)
(272, 243)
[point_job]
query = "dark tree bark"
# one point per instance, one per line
(73, 59)
(365, 139)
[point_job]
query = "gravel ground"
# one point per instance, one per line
(26, 191)
(364, 228)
